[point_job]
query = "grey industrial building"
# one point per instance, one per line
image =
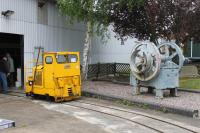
(26, 25)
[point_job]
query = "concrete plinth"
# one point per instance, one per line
(174, 92)
(136, 90)
(159, 93)
(150, 90)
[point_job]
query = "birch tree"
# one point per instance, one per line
(95, 14)
(84, 11)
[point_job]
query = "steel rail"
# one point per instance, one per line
(122, 110)
(154, 129)
(94, 104)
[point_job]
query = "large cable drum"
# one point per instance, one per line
(145, 61)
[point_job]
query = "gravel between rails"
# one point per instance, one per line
(185, 101)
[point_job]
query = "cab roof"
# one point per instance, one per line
(62, 52)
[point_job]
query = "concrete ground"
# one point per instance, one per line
(33, 118)
(43, 117)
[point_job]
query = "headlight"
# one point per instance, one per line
(30, 83)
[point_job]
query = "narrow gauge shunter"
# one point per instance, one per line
(58, 77)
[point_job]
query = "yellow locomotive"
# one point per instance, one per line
(58, 77)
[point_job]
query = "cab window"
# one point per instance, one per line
(61, 59)
(49, 60)
(71, 58)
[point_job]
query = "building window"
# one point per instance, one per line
(192, 49)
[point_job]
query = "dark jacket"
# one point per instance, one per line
(4, 66)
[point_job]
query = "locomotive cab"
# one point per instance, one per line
(58, 77)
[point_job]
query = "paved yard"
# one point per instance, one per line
(34, 118)
(38, 116)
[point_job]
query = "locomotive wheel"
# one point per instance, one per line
(47, 97)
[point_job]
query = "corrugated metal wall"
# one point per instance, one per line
(56, 36)
(112, 50)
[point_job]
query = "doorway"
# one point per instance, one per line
(14, 45)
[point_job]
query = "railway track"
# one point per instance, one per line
(155, 124)
(124, 114)
(15, 93)
(154, 129)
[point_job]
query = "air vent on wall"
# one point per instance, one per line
(7, 13)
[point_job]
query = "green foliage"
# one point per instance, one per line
(97, 12)
(143, 19)
(76, 10)
(83, 11)
(152, 19)
(146, 106)
(163, 109)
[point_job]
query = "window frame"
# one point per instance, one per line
(67, 59)
(76, 58)
(46, 60)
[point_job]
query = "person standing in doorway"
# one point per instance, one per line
(4, 70)
(11, 70)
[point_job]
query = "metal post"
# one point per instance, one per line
(98, 71)
(191, 52)
(35, 72)
(115, 65)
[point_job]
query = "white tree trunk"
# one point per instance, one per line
(86, 50)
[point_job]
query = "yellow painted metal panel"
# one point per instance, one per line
(59, 78)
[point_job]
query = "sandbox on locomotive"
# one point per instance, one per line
(58, 77)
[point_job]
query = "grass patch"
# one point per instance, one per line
(190, 83)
